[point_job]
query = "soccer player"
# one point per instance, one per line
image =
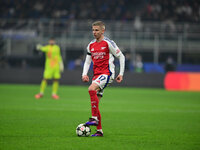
(101, 51)
(53, 67)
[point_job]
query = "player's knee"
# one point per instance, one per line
(55, 80)
(91, 88)
(45, 80)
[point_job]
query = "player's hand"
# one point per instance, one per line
(85, 78)
(61, 66)
(38, 46)
(119, 78)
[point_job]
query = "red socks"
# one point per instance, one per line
(99, 118)
(95, 107)
(94, 103)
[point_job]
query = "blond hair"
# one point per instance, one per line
(99, 23)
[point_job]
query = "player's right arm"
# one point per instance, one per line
(39, 47)
(86, 66)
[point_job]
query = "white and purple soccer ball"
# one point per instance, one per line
(83, 130)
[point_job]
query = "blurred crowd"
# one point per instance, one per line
(156, 10)
(168, 12)
(175, 10)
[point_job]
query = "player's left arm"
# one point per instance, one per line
(60, 60)
(114, 49)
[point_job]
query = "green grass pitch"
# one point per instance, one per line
(135, 119)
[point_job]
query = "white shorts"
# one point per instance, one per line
(103, 81)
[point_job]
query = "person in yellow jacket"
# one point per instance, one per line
(53, 67)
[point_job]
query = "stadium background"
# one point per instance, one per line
(156, 36)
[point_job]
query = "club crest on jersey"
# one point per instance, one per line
(92, 49)
(102, 48)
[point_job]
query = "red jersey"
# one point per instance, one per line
(102, 56)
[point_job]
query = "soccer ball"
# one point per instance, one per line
(83, 130)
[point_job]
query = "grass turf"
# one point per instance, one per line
(141, 119)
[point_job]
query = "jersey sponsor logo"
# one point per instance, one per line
(98, 55)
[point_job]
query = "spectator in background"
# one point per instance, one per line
(153, 10)
(79, 62)
(127, 61)
(169, 65)
(137, 23)
(138, 64)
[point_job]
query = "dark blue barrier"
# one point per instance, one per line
(153, 68)
(188, 68)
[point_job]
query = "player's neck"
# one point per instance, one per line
(100, 39)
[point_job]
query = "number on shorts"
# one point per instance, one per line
(101, 78)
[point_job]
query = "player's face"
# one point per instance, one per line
(51, 42)
(97, 31)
